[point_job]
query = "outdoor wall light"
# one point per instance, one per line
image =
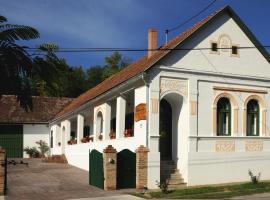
(59, 144)
(111, 161)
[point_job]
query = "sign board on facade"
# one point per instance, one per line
(140, 112)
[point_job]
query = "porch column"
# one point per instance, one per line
(65, 134)
(80, 124)
(140, 125)
(120, 116)
(107, 121)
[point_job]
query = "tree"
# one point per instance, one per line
(114, 64)
(15, 62)
(94, 76)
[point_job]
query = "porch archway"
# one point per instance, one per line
(170, 108)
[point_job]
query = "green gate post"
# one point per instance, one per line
(110, 167)
(141, 167)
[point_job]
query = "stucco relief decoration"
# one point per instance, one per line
(167, 85)
(254, 145)
(225, 43)
(225, 146)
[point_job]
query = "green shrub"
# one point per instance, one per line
(43, 147)
(163, 186)
(254, 179)
(32, 152)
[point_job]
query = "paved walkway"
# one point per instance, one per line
(51, 181)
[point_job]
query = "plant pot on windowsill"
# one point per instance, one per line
(128, 133)
(91, 139)
(100, 137)
(87, 139)
(112, 135)
(72, 141)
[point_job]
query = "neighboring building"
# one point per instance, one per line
(19, 129)
(202, 110)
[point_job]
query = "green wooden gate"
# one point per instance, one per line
(11, 139)
(126, 169)
(96, 175)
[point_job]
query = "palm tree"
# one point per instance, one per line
(15, 62)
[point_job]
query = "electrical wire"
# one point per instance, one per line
(78, 50)
(191, 18)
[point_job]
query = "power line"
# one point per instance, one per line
(188, 20)
(191, 18)
(94, 49)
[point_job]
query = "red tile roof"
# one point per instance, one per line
(44, 109)
(145, 63)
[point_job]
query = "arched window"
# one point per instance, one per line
(223, 117)
(99, 123)
(253, 114)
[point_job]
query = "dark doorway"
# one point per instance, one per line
(165, 130)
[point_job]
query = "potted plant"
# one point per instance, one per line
(43, 147)
(84, 140)
(128, 133)
(72, 141)
(91, 138)
(100, 137)
(32, 152)
(112, 135)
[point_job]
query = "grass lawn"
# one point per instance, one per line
(213, 192)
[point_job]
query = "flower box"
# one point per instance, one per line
(112, 135)
(72, 141)
(100, 137)
(128, 133)
(87, 139)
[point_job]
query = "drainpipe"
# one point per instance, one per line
(145, 78)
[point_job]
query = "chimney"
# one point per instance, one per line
(152, 41)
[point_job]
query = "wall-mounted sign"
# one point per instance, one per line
(140, 112)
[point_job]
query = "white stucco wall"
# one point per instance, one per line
(33, 133)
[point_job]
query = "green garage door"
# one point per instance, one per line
(11, 138)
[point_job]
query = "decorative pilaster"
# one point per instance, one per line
(110, 167)
(141, 167)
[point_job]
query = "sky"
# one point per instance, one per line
(120, 23)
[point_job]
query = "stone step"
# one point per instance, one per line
(179, 186)
(167, 161)
(169, 171)
(175, 181)
(176, 176)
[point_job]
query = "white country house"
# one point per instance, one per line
(203, 109)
